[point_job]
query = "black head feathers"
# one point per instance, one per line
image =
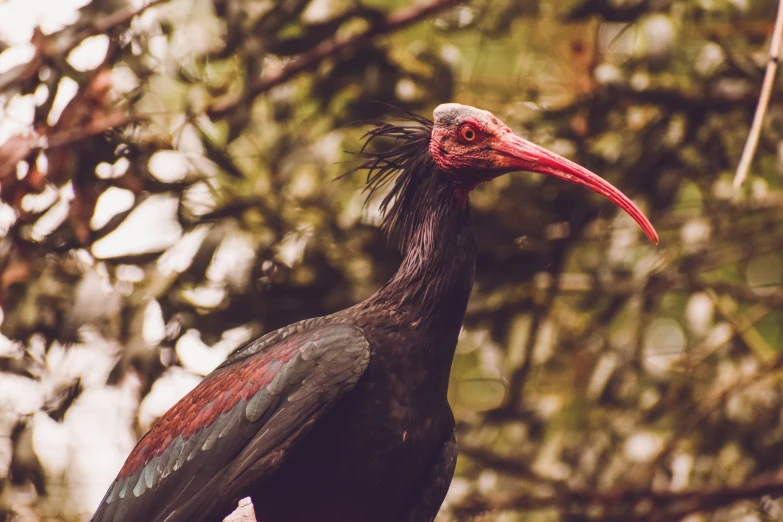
(398, 154)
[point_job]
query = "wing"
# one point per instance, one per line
(246, 414)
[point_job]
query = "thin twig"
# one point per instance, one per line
(518, 467)
(19, 147)
(308, 61)
(570, 283)
(747, 332)
(624, 500)
(700, 413)
(516, 382)
(120, 18)
(761, 109)
(52, 47)
(97, 126)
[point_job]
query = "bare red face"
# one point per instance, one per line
(473, 146)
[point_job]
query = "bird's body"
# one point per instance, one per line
(342, 418)
(377, 454)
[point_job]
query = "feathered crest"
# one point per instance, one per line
(406, 162)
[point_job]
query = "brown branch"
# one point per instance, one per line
(14, 150)
(771, 297)
(579, 284)
(118, 18)
(59, 44)
(52, 47)
(515, 391)
(394, 22)
(701, 412)
(24, 72)
(668, 502)
(96, 126)
(21, 146)
(502, 463)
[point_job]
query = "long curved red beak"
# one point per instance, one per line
(519, 154)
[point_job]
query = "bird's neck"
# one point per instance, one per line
(433, 283)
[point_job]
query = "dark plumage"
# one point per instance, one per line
(344, 418)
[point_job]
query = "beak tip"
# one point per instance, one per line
(532, 157)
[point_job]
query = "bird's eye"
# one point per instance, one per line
(468, 133)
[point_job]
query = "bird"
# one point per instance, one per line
(345, 417)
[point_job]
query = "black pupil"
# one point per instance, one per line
(468, 134)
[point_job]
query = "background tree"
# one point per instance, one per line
(167, 181)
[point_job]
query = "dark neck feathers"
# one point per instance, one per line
(435, 277)
(426, 220)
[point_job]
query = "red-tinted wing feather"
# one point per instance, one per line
(261, 400)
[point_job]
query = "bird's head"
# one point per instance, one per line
(472, 146)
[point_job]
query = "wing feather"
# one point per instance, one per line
(236, 426)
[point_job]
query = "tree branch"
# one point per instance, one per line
(72, 36)
(673, 503)
(761, 109)
(107, 123)
(394, 22)
(19, 147)
(118, 18)
(59, 44)
(702, 411)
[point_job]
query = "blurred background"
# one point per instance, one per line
(167, 174)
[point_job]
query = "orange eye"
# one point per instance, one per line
(468, 133)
